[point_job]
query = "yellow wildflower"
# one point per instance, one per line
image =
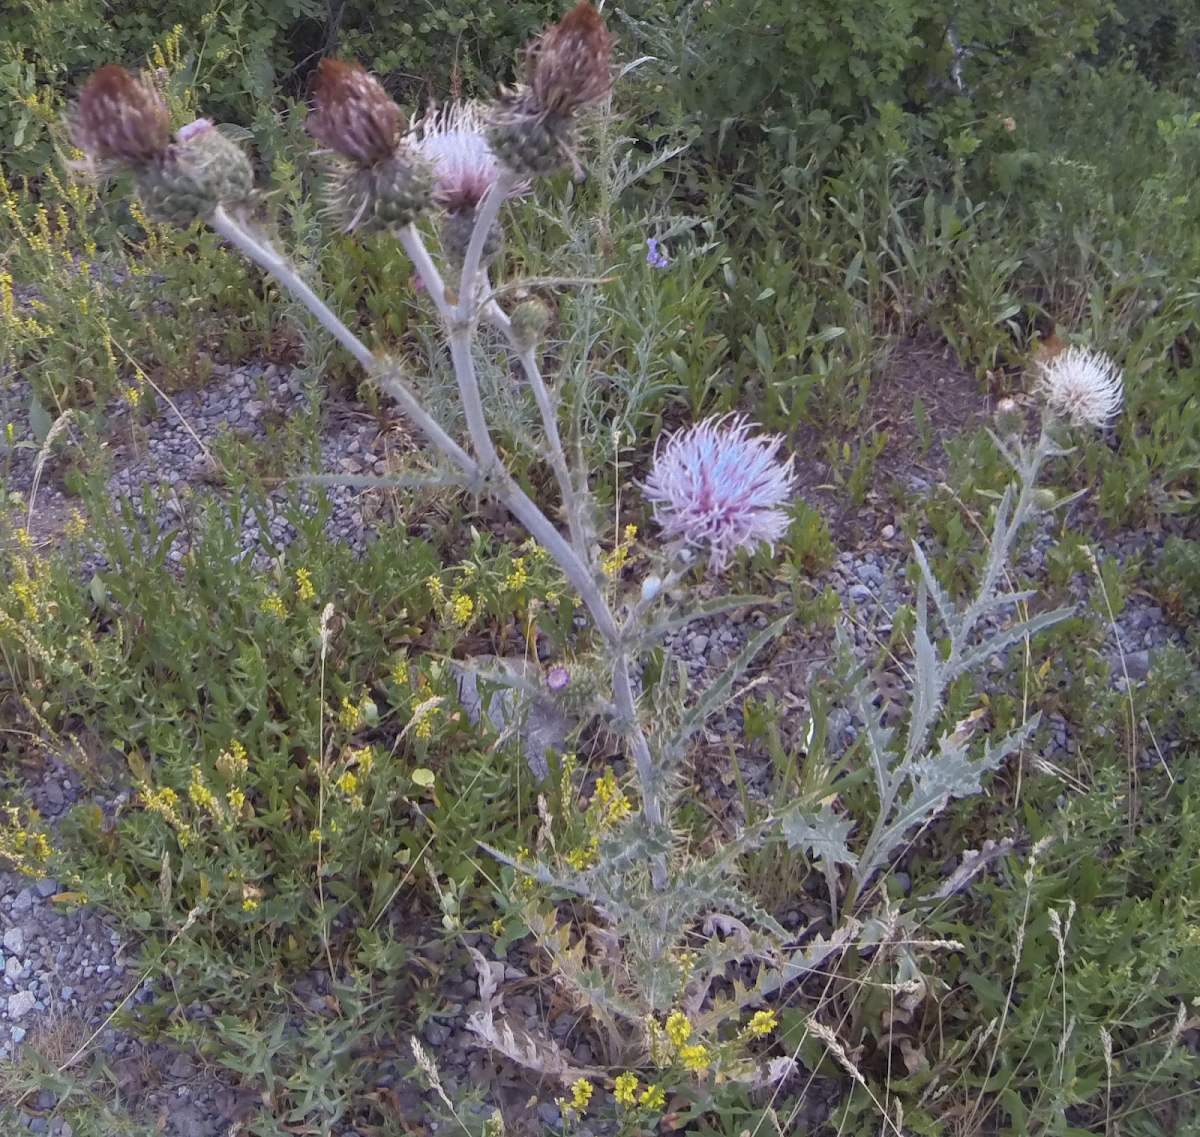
(400, 671)
(679, 1030)
(763, 1023)
(76, 526)
(201, 795)
(233, 763)
(236, 799)
(434, 585)
(425, 727)
(249, 904)
(695, 1058)
(348, 716)
(517, 577)
(273, 606)
(625, 1090)
(314, 835)
(304, 586)
(653, 1097)
(133, 395)
(580, 859)
(581, 1094)
(347, 783)
(461, 609)
(497, 928)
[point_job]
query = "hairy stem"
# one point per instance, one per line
(260, 251)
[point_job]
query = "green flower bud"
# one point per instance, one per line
(530, 319)
(200, 171)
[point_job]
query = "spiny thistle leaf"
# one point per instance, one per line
(824, 834)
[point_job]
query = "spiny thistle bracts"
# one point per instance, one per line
(568, 68)
(353, 114)
(199, 171)
(120, 119)
(1082, 386)
(382, 182)
(713, 486)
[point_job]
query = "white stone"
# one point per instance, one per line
(21, 1004)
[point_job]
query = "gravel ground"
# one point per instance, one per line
(66, 971)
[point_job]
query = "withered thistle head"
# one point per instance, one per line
(120, 119)
(571, 64)
(353, 114)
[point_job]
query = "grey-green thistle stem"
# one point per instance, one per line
(487, 473)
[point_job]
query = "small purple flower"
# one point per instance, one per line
(654, 258)
(558, 679)
(714, 486)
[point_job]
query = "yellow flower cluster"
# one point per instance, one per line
(612, 563)
(581, 1094)
(272, 605)
(27, 850)
(625, 1089)
(349, 716)
(234, 762)
(679, 1030)
(613, 805)
(304, 586)
(517, 576)
(203, 798)
(462, 607)
(762, 1023)
(75, 526)
(165, 802)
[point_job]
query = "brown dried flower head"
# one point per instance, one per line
(571, 64)
(120, 119)
(353, 114)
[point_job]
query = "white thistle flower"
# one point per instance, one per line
(453, 142)
(1082, 386)
(714, 486)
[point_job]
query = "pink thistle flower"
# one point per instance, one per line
(452, 141)
(714, 486)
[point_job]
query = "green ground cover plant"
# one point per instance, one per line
(308, 793)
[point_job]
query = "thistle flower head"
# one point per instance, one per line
(714, 486)
(570, 65)
(1082, 386)
(452, 141)
(120, 119)
(353, 114)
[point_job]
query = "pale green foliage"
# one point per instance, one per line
(914, 779)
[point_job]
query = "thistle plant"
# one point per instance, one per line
(669, 924)
(914, 779)
(462, 164)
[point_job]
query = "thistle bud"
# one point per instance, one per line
(383, 183)
(530, 319)
(1009, 420)
(353, 114)
(569, 67)
(120, 119)
(457, 230)
(1045, 499)
(200, 171)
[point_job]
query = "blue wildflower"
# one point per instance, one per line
(655, 258)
